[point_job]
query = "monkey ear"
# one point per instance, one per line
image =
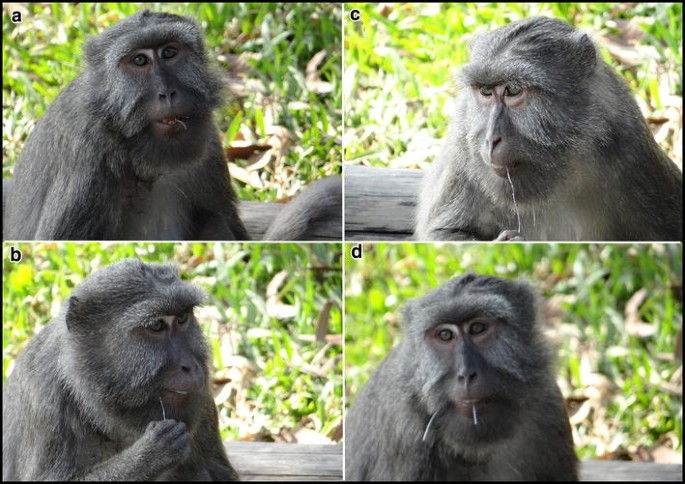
(466, 278)
(408, 314)
(75, 313)
(585, 51)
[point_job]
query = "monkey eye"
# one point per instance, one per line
(485, 91)
(140, 60)
(477, 327)
(183, 318)
(514, 89)
(169, 52)
(445, 335)
(157, 325)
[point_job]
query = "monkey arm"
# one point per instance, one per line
(213, 212)
(445, 207)
(383, 429)
(210, 449)
(43, 206)
(59, 188)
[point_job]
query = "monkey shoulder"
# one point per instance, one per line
(382, 427)
(37, 398)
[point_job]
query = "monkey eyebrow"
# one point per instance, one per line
(167, 306)
(465, 313)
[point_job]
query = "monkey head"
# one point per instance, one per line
(146, 355)
(481, 354)
(528, 91)
(160, 88)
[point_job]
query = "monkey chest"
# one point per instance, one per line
(155, 212)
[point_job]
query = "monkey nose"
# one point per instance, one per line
(465, 378)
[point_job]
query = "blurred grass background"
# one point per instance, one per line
(265, 48)
(613, 309)
(275, 379)
(400, 59)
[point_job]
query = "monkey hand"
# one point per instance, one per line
(509, 236)
(166, 443)
(168, 438)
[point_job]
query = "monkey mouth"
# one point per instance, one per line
(170, 125)
(465, 407)
(501, 169)
(172, 121)
(174, 397)
(469, 402)
(180, 392)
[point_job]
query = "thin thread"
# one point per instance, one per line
(513, 195)
(425, 433)
(163, 411)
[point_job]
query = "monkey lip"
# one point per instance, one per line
(174, 396)
(465, 406)
(173, 120)
(468, 402)
(501, 169)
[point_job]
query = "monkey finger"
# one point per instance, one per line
(509, 236)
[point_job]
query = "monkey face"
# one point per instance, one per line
(168, 100)
(465, 344)
(182, 373)
(477, 395)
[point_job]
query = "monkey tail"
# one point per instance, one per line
(317, 210)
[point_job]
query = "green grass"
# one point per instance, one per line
(587, 288)
(272, 376)
(271, 105)
(400, 59)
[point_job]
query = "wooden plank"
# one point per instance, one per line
(354, 236)
(257, 216)
(301, 462)
(257, 461)
(596, 470)
(380, 202)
